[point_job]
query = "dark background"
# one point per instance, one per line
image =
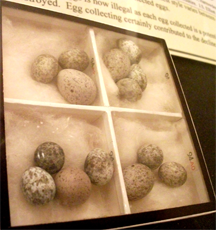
(198, 83)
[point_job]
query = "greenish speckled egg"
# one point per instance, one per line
(117, 63)
(49, 156)
(74, 59)
(137, 74)
(129, 89)
(172, 174)
(150, 155)
(38, 186)
(131, 49)
(139, 181)
(99, 166)
(44, 68)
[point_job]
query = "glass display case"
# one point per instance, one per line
(37, 112)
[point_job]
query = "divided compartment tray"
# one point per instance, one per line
(35, 112)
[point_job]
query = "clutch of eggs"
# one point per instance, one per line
(72, 186)
(74, 85)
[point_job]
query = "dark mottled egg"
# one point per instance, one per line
(131, 49)
(129, 89)
(150, 155)
(76, 87)
(74, 59)
(137, 74)
(44, 68)
(38, 186)
(49, 156)
(172, 174)
(73, 186)
(117, 63)
(99, 166)
(139, 181)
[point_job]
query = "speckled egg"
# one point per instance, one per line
(117, 63)
(139, 181)
(49, 156)
(76, 87)
(137, 74)
(38, 186)
(131, 49)
(99, 166)
(150, 155)
(44, 68)
(172, 174)
(129, 89)
(74, 59)
(73, 186)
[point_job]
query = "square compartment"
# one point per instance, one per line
(170, 134)
(160, 93)
(25, 36)
(77, 131)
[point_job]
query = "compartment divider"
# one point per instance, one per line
(119, 180)
(98, 66)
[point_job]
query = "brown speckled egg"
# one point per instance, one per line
(150, 155)
(74, 59)
(38, 186)
(117, 63)
(129, 89)
(99, 166)
(76, 87)
(131, 49)
(44, 68)
(73, 186)
(137, 74)
(49, 156)
(139, 181)
(172, 174)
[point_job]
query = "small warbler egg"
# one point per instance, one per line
(139, 181)
(172, 174)
(150, 155)
(74, 59)
(44, 68)
(99, 166)
(117, 63)
(137, 74)
(131, 49)
(129, 89)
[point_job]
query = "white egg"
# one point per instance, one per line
(76, 87)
